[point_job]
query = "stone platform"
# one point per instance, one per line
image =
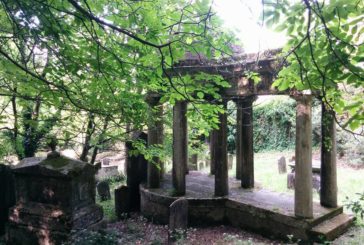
(265, 212)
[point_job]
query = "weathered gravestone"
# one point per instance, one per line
(282, 167)
(178, 218)
(316, 181)
(230, 161)
(201, 165)
(193, 162)
(122, 201)
(103, 190)
(7, 195)
(136, 171)
(54, 196)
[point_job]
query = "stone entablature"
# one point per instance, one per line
(54, 196)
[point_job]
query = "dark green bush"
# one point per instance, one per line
(274, 125)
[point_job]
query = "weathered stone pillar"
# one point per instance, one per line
(220, 157)
(136, 171)
(238, 139)
(328, 190)
(155, 137)
(245, 134)
(303, 168)
(180, 156)
(213, 142)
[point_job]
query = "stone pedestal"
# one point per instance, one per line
(54, 196)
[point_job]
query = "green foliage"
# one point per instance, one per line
(115, 179)
(324, 52)
(274, 125)
(356, 205)
(64, 54)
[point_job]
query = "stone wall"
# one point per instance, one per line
(215, 211)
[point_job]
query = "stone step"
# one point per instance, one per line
(332, 228)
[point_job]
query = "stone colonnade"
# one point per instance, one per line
(244, 153)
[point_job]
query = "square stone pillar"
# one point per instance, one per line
(155, 137)
(303, 167)
(328, 190)
(244, 151)
(180, 155)
(220, 157)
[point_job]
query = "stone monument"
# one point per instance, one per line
(54, 196)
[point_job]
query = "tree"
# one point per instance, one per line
(102, 57)
(324, 53)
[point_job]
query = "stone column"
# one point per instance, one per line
(220, 157)
(303, 167)
(180, 156)
(213, 143)
(245, 133)
(328, 190)
(238, 139)
(155, 137)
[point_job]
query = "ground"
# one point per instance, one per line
(137, 230)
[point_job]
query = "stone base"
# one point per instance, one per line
(268, 213)
(35, 223)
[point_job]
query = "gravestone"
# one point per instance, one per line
(122, 201)
(230, 161)
(316, 181)
(201, 165)
(103, 190)
(282, 167)
(290, 180)
(54, 196)
(178, 218)
(193, 162)
(7, 195)
(136, 171)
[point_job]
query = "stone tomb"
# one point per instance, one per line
(7, 195)
(54, 196)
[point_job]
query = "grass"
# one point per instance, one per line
(109, 205)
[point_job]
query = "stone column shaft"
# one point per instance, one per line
(213, 142)
(155, 137)
(238, 140)
(303, 167)
(180, 156)
(328, 190)
(220, 157)
(246, 142)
